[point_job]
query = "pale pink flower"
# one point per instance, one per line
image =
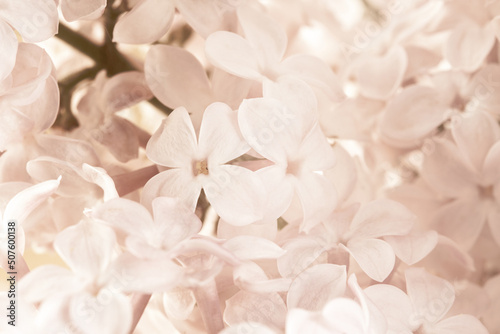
(88, 248)
(282, 127)
(339, 315)
(236, 193)
(355, 232)
(259, 55)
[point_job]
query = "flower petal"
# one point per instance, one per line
(124, 216)
(468, 45)
(380, 76)
(270, 128)
(430, 295)
(395, 306)
(220, 139)
(175, 76)
(174, 143)
(113, 316)
(236, 193)
(264, 34)
(174, 222)
(46, 282)
(125, 90)
(9, 46)
(73, 10)
(461, 220)
(446, 171)
(87, 247)
(207, 16)
(460, 324)
(234, 54)
(380, 218)
(411, 115)
(316, 286)
(475, 135)
(36, 20)
(268, 309)
(177, 183)
(413, 247)
(147, 22)
(253, 248)
(375, 257)
(490, 173)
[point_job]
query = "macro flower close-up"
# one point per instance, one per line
(250, 166)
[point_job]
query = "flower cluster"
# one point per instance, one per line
(251, 166)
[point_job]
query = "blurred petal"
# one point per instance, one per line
(119, 136)
(9, 45)
(234, 54)
(146, 275)
(380, 76)
(316, 286)
(36, 20)
(179, 303)
(461, 220)
(375, 257)
(279, 191)
(177, 183)
(446, 171)
(266, 229)
(236, 193)
(124, 90)
(147, 22)
(490, 174)
(316, 73)
(175, 76)
(208, 16)
(253, 248)
(411, 115)
(174, 143)
(316, 152)
(460, 324)
(380, 218)
(395, 306)
(475, 135)
(46, 282)
(220, 139)
(343, 174)
(124, 215)
(265, 35)
(430, 295)
(114, 316)
(413, 247)
(248, 328)
(87, 247)
(468, 45)
(82, 10)
(268, 309)
(174, 222)
(344, 315)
